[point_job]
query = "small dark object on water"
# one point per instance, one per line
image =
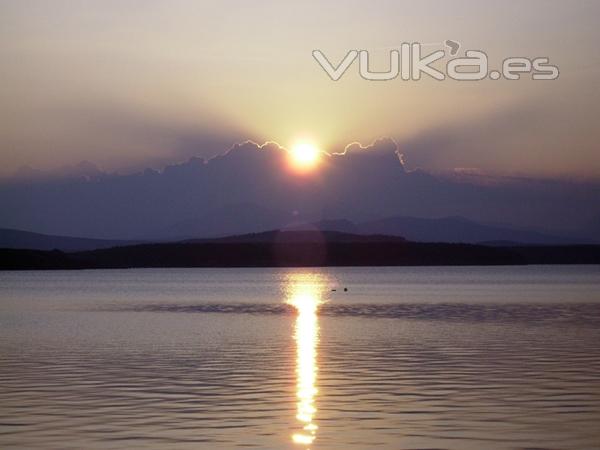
(345, 289)
(334, 290)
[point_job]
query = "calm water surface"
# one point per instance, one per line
(408, 358)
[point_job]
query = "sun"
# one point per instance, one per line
(305, 156)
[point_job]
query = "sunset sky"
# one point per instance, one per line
(129, 84)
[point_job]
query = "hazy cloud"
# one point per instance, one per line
(251, 188)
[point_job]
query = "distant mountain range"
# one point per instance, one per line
(296, 249)
(37, 241)
(307, 236)
(448, 230)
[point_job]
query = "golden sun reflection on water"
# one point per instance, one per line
(304, 293)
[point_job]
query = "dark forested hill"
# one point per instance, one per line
(297, 249)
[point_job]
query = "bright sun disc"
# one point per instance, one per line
(305, 156)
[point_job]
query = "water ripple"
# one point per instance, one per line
(582, 314)
(155, 370)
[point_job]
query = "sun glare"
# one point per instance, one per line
(305, 156)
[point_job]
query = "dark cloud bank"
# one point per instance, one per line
(250, 188)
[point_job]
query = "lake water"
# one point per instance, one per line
(407, 358)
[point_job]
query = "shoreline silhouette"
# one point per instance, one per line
(297, 249)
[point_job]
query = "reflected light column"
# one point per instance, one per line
(305, 297)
